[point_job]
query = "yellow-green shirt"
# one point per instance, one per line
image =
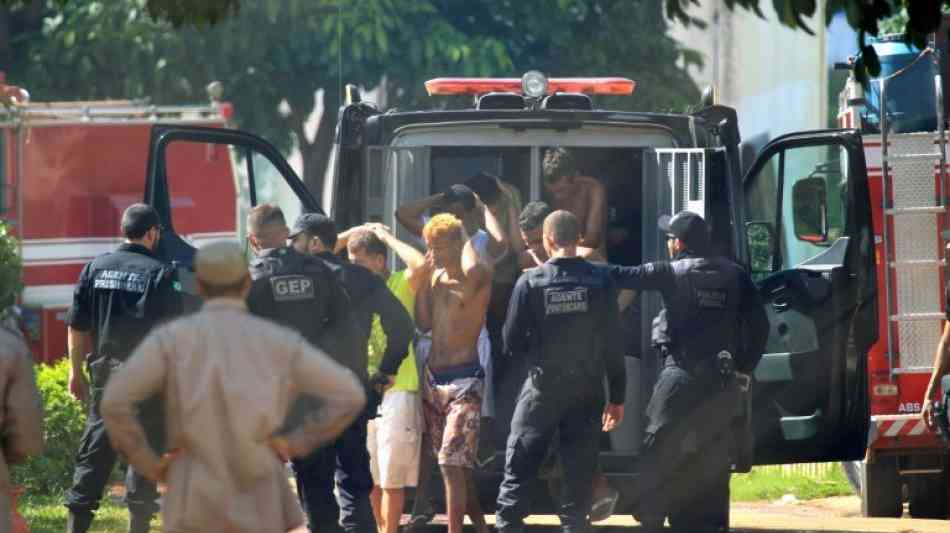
(407, 377)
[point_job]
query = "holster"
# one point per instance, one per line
(100, 368)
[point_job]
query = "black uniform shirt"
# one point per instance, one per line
(682, 323)
(301, 292)
(120, 296)
(370, 296)
(563, 315)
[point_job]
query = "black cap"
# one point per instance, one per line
(687, 227)
(315, 225)
(459, 194)
(138, 219)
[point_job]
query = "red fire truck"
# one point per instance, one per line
(901, 117)
(69, 169)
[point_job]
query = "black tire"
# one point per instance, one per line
(927, 497)
(881, 494)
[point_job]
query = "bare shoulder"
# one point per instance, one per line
(479, 276)
(590, 254)
(591, 184)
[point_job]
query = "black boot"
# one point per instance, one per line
(78, 521)
(139, 522)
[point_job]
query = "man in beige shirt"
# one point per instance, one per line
(21, 411)
(227, 379)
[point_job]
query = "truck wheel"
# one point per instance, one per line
(881, 489)
(927, 497)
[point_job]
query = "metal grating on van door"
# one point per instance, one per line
(685, 168)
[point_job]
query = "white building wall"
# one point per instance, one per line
(775, 77)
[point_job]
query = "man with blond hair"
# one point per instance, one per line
(455, 300)
(227, 380)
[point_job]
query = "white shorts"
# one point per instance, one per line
(394, 440)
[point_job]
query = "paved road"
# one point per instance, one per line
(756, 521)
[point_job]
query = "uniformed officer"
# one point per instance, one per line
(348, 459)
(562, 316)
(120, 297)
(300, 291)
(294, 289)
(712, 324)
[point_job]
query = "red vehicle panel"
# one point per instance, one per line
(69, 174)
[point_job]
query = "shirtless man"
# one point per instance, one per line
(458, 295)
(530, 223)
(583, 196)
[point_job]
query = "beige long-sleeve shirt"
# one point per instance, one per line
(227, 379)
(21, 413)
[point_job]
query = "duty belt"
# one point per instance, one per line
(551, 373)
(691, 364)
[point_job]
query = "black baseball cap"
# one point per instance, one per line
(687, 227)
(459, 194)
(316, 225)
(138, 219)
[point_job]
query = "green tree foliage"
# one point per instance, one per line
(274, 55)
(10, 269)
(64, 419)
(588, 38)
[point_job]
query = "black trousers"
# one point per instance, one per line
(343, 464)
(545, 405)
(685, 462)
(96, 458)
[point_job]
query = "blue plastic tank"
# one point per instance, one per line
(911, 101)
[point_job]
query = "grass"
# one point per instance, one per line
(46, 514)
(771, 483)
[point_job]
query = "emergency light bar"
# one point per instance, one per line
(476, 86)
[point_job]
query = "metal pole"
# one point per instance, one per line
(938, 91)
(885, 178)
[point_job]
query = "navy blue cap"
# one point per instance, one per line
(687, 227)
(315, 225)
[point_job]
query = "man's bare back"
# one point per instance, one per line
(457, 320)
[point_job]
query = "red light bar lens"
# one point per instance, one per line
(460, 86)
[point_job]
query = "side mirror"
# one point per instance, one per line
(761, 238)
(810, 210)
